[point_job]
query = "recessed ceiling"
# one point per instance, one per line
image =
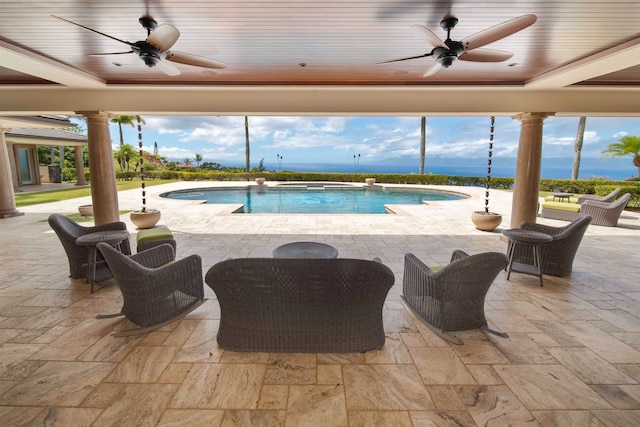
(263, 43)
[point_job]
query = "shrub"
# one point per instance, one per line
(69, 174)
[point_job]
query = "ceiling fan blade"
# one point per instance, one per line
(434, 40)
(498, 32)
(168, 68)
(433, 69)
(485, 55)
(110, 53)
(196, 60)
(94, 31)
(406, 59)
(163, 37)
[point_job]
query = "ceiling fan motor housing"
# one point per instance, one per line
(147, 52)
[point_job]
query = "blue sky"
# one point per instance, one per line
(310, 140)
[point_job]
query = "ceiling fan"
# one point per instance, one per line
(155, 48)
(446, 52)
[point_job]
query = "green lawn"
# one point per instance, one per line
(27, 199)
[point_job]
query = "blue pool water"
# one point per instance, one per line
(312, 199)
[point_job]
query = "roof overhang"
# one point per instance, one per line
(323, 100)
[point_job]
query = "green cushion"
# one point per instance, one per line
(154, 234)
(562, 206)
(572, 199)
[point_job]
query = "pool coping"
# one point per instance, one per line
(390, 209)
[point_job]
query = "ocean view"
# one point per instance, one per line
(557, 168)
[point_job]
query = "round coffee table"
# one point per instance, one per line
(562, 196)
(305, 250)
(91, 240)
(529, 238)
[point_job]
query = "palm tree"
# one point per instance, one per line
(187, 162)
(246, 143)
(577, 148)
(423, 142)
(198, 158)
(125, 120)
(627, 145)
(124, 155)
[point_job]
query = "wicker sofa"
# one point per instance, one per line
(603, 213)
(300, 305)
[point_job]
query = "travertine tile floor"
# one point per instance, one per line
(572, 357)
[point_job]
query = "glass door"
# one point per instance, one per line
(24, 166)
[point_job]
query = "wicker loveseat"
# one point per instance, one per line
(299, 305)
(603, 213)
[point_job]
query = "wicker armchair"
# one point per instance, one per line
(557, 255)
(607, 199)
(603, 213)
(156, 289)
(68, 231)
(296, 305)
(452, 299)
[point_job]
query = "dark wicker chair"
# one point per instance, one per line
(296, 305)
(156, 289)
(68, 231)
(557, 255)
(452, 298)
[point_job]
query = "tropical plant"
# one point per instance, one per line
(626, 146)
(124, 155)
(125, 120)
(187, 162)
(260, 167)
(198, 158)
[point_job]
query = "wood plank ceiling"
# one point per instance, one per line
(315, 42)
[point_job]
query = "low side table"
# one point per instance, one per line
(91, 240)
(562, 197)
(532, 239)
(305, 250)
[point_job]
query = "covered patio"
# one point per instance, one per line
(573, 352)
(572, 356)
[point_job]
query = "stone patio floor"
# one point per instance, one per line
(572, 357)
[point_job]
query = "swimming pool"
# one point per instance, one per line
(313, 199)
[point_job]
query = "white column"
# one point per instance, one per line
(527, 180)
(7, 201)
(81, 180)
(104, 193)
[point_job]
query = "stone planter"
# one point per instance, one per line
(370, 181)
(146, 219)
(86, 210)
(260, 181)
(486, 221)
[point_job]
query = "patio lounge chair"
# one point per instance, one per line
(452, 298)
(602, 213)
(606, 199)
(300, 305)
(156, 289)
(68, 231)
(557, 255)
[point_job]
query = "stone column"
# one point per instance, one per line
(81, 180)
(527, 180)
(61, 151)
(104, 193)
(7, 202)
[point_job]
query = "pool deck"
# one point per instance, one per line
(572, 356)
